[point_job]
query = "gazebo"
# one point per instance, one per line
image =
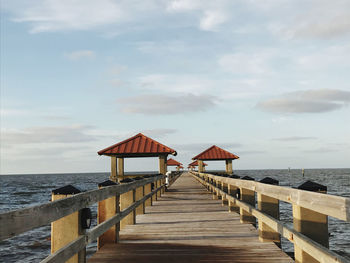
(215, 153)
(195, 163)
(136, 146)
(172, 162)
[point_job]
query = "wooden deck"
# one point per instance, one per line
(186, 225)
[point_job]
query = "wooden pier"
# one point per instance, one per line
(200, 217)
(187, 225)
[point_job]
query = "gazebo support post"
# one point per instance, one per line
(229, 167)
(113, 175)
(200, 166)
(121, 168)
(162, 170)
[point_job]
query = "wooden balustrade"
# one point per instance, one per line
(64, 210)
(309, 209)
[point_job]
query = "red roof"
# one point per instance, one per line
(215, 153)
(172, 162)
(195, 163)
(137, 146)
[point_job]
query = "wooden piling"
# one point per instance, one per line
(106, 209)
(311, 224)
(224, 188)
(147, 190)
(126, 200)
(231, 189)
(68, 228)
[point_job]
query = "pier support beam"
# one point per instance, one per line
(68, 228)
(311, 224)
(106, 209)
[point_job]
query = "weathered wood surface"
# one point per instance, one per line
(187, 225)
(331, 205)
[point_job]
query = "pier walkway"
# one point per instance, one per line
(186, 225)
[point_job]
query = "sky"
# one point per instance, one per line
(267, 80)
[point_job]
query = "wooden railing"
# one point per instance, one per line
(310, 213)
(16, 222)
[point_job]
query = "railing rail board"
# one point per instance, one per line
(78, 244)
(21, 220)
(316, 250)
(331, 205)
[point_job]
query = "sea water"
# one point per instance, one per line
(19, 191)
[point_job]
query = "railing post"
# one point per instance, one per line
(213, 182)
(147, 190)
(310, 223)
(224, 188)
(232, 190)
(138, 195)
(218, 185)
(159, 194)
(68, 228)
(270, 206)
(106, 209)
(247, 196)
(126, 200)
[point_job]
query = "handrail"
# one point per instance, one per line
(331, 205)
(319, 252)
(49, 212)
(76, 245)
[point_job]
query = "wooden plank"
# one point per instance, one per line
(21, 220)
(335, 206)
(313, 248)
(186, 225)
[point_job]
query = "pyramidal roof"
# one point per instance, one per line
(172, 162)
(215, 153)
(137, 146)
(195, 163)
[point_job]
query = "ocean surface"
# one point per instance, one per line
(19, 191)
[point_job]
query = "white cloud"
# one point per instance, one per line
(309, 101)
(80, 54)
(323, 19)
(212, 19)
(167, 104)
(54, 134)
(53, 15)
